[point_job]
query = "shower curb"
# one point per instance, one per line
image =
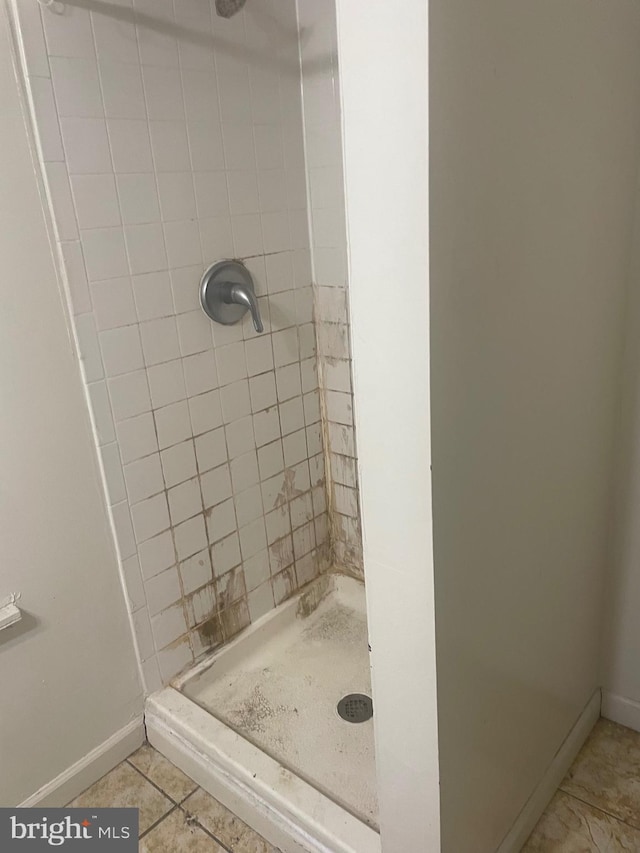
(288, 812)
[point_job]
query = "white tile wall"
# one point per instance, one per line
(171, 138)
(328, 246)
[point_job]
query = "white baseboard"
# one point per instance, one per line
(621, 710)
(556, 771)
(93, 766)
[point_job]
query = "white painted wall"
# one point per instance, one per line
(621, 647)
(383, 66)
(535, 119)
(68, 670)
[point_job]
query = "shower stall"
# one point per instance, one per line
(296, 241)
(192, 164)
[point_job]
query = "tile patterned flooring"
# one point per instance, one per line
(176, 816)
(595, 810)
(597, 806)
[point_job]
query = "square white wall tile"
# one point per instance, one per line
(206, 412)
(144, 478)
(162, 590)
(130, 145)
(179, 463)
(129, 394)
(137, 437)
(150, 517)
(196, 571)
(173, 658)
(156, 554)
(235, 401)
(116, 37)
(138, 197)
(168, 625)
(145, 248)
(215, 486)
(68, 34)
(104, 253)
(200, 373)
(113, 303)
(96, 201)
(212, 194)
(190, 537)
(210, 450)
(121, 350)
(159, 341)
(179, 156)
(76, 87)
(153, 296)
(86, 145)
(177, 197)
(166, 382)
(122, 90)
(182, 239)
(205, 144)
(170, 146)
(184, 501)
(173, 424)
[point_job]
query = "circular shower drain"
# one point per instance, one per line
(355, 708)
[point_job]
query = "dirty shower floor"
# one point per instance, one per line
(282, 696)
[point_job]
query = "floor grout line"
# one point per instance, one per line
(184, 799)
(175, 804)
(600, 809)
(157, 823)
(195, 820)
(151, 782)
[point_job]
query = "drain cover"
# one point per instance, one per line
(355, 708)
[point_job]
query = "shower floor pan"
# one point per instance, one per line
(256, 724)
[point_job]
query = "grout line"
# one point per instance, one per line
(194, 820)
(180, 806)
(157, 787)
(190, 794)
(615, 817)
(157, 823)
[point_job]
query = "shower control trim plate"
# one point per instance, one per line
(227, 293)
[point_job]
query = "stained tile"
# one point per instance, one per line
(162, 773)
(571, 826)
(606, 773)
(124, 787)
(178, 832)
(222, 823)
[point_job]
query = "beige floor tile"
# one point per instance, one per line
(606, 772)
(570, 826)
(178, 834)
(224, 825)
(163, 773)
(126, 788)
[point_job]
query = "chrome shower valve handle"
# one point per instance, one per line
(240, 294)
(227, 293)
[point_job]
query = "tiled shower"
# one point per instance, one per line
(170, 138)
